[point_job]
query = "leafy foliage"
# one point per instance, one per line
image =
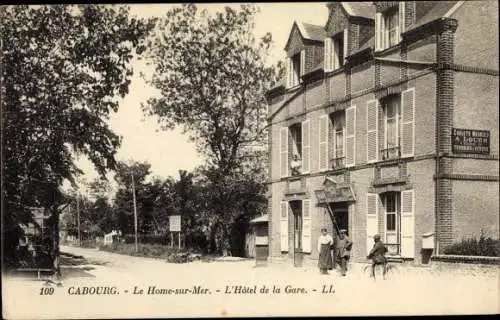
(63, 69)
(212, 77)
(211, 73)
(483, 246)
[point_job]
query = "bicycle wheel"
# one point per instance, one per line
(392, 271)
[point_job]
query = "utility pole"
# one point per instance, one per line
(135, 210)
(78, 218)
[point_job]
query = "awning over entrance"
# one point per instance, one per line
(335, 192)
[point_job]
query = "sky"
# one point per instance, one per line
(169, 151)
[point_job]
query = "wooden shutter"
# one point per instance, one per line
(302, 63)
(407, 224)
(306, 226)
(401, 19)
(328, 54)
(378, 31)
(284, 151)
(306, 146)
(323, 142)
(284, 226)
(371, 219)
(336, 55)
(372, 131)
(408, 122)
(350, 140)
(288, 72)
(346, 44)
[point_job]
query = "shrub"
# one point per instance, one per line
(162, 239)
(486, 247)
(173, 255)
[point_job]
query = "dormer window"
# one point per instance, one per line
(389, 25)
(335, 51)
(391, 30)
(295, 69)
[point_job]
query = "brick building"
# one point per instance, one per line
(387, 122)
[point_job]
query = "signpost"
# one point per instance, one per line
(470, 141)
(175, 226)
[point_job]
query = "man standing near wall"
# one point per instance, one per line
(343, 251)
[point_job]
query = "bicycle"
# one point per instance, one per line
(391, 270)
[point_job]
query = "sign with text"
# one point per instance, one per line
(470, 141)
(175, 223)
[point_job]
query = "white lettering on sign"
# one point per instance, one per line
(174, 223)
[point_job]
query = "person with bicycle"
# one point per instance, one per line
(377, 254)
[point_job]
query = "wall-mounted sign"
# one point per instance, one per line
(174, 223)
(470, 141)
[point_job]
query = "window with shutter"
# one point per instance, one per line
(328, 54)
(338, 143)
(372, 204)
(350, 142)
(408, 123)
(306, 226)
(284, 151)
(402, 12)
(306, 146)
(378, 31)
(323, 142)
(372, 131)
(284, 226)
(338, 50)
(407, 224)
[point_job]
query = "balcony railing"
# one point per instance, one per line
(337, 163)
(390, 153)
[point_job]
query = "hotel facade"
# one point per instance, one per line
(386, 122)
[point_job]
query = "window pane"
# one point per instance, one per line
(391, 222)
(339, 142)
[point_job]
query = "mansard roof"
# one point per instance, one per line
(312, 31)
(360, 9)
(439, 10)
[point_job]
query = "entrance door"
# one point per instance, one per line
(341, 215)
(296, 207)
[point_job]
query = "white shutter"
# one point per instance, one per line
(284, 226)
(336, 55)
(408, 123)
(407, 224)
(328, 54)
(302, 63)
(402, 5)
(323, 142)
(284, 151)
(346, 44)
(378, 31)
(372, 200)
(289, 72)
(371, 131)
(350, 140)
(306, 146)
(306, 226)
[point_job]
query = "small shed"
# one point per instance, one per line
(260, 231)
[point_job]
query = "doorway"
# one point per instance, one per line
(296, 207)
(340, 216)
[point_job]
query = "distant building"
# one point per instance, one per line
(392, 110)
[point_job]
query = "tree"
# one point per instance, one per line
(63, 69)
(212, 76)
